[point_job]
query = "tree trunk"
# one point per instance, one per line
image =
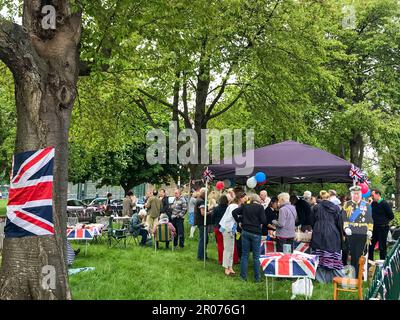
(357, 149)
(397, 194)
(45, 69)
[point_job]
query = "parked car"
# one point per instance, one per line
(140, 203)
(76, 208)
(118, 205)
(87, 201)
(97, 202)
(100, 205)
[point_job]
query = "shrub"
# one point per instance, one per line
(396, 220)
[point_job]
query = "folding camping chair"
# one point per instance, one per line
(130, 235)
(104, 221)
(163, 235)
(117, 235)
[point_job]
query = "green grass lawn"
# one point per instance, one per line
(137, 273)
(3, 204)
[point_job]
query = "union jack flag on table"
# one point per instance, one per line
(30, 203)
(79, 234)
(301, 246)
(268, 246)
(294, 265)
(208, 176)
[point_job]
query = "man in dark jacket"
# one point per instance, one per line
(382, 214)
(251, 217)
(199, 211)
(303, 209)
(165, 208)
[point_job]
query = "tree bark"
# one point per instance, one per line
(44, 64)
(357, 149)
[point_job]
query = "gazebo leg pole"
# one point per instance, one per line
(272, 284)
(266, 286)
(86, 248)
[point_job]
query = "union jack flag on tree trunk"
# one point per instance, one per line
(30, 203)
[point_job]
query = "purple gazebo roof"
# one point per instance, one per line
(289, 162)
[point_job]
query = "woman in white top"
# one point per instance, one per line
(228, 229)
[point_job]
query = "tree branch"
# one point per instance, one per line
(230, 105)
(220, 93)
(12, 38)
(142, 105)
(188, 125)
(154, 98)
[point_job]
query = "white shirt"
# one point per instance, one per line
(266, 202)
(227, 222)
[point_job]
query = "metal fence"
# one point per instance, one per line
(386, 282)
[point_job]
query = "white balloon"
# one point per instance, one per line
(227, 183)
(251, 182)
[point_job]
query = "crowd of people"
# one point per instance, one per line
(339, 227)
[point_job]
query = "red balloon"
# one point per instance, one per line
(220, 185)
(262, 183)
(364, 187)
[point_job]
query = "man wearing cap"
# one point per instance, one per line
(357, 224)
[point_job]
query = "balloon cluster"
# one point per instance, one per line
(259, 179)
(364, 189)
(221, 185)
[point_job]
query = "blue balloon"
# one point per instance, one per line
(261, 177)
(366, 195)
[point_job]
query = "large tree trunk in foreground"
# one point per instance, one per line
(45, 68)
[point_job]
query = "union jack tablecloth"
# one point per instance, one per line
(269, 246)
(79, 234)
(294, 265)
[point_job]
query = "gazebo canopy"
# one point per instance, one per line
(289, 162)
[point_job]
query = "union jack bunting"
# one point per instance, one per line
(358, 175)
(208, 176)
(30, 203)
(79, 234)
(289, 265)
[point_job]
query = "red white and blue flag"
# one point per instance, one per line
(30, 202)
(357, 174)
(267, 246)
(301, 246)
(289, 265)
(208, 175)
(79, 234)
